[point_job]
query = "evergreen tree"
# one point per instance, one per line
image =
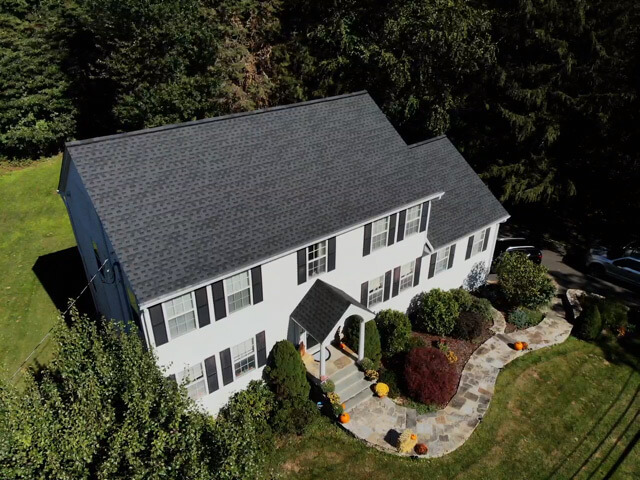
(285, 373)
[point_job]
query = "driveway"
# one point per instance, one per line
(569, 277)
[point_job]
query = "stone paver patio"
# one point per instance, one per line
(379, 421)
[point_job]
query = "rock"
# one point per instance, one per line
(573, 299)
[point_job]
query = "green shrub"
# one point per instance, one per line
(293, 415)
(372, 347)
(389, 377)
(468, 326)
(337, 409)
(395, 331)
(483, 307)
(328, 386)
(522, 282)
(366, 364)
(463, 298)
(285, 372)
(590, 323)
(614, 314)
(416, 342)
(525, 318)
(434, 312)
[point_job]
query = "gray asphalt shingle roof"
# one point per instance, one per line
(321, 308)
(467, 204)
(186, 203)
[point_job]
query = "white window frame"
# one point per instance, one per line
(313, 263)
(252, 357)
(227, 293)
(442, 258)
(200, 382)
(478, 242)
(374, 235)
(413, 221)
(380, 291)
(167, 317)
(406, 278)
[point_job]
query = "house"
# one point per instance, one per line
(220, 237)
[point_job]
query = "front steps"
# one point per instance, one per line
(351, 386)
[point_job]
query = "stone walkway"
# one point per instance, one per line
(379, 421)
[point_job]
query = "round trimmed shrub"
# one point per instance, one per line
(395, 330)
(525, 318)
(483, 307)
(463, 298)
(293, 415)
(614, 314)
(372, 347)
(590, 323)
(522, 282)
(429, 376)
(434, 312)
(468, 326)
(285, 372)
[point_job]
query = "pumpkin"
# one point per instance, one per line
(344, 417)
(343, 346)
(414, 436)
(382, 389)
(518, 346)
(525, 345)
(344, 406)
(421, 449)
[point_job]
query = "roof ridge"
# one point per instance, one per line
(429, 140)
(220, 118)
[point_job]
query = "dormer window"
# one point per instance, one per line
(412, 224)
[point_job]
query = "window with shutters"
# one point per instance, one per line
(442, 260)
(317, 258)
(180, 315)
(194, 380)
(238, 291)
(379, 233)
(244, 357)
(478, 242)
(406, 275)
(412, 222)
(376, 291)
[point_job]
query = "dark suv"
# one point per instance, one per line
(517, 244)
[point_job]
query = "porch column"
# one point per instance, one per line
(361, 342)
(323, 363)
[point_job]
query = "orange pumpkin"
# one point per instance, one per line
(518, 346)
(525, 345)
(344, 417)
(414, 436)
(344, 407)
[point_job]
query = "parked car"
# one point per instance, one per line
(625, 268)
(516, 244)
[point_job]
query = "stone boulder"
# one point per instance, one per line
(573, 299)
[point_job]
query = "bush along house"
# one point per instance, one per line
(219, 237)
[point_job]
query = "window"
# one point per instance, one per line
(379, 232)
(478, 242)
(194, 380)
(442, 260)
(406, 275)
(244, 357)
(180, 314)
(317, 259)
(376, 290)
(412, 221)
(238, 290)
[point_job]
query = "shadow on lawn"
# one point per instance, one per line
(62, 276)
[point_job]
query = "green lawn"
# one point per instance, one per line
(570, 411)
(33, 222)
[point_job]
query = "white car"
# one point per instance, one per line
(625, 268)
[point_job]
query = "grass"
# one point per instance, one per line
(33, 222)
(570, 411)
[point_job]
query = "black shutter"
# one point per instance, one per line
(261, 348)
(157, 324)
(302, 265)
(396, 281)
(364, 293)
(392, 230)
(469, 247)
(219, 308)
(227, 368)
(423, 218)
(387, 285)
(256, 283)
(452, 253)
(212, 373)
(202, 303)
(416, 272)
(432, 264)
(331, 261)
(486, 239)
(172, 377)
(401, 222)
(366, 247)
